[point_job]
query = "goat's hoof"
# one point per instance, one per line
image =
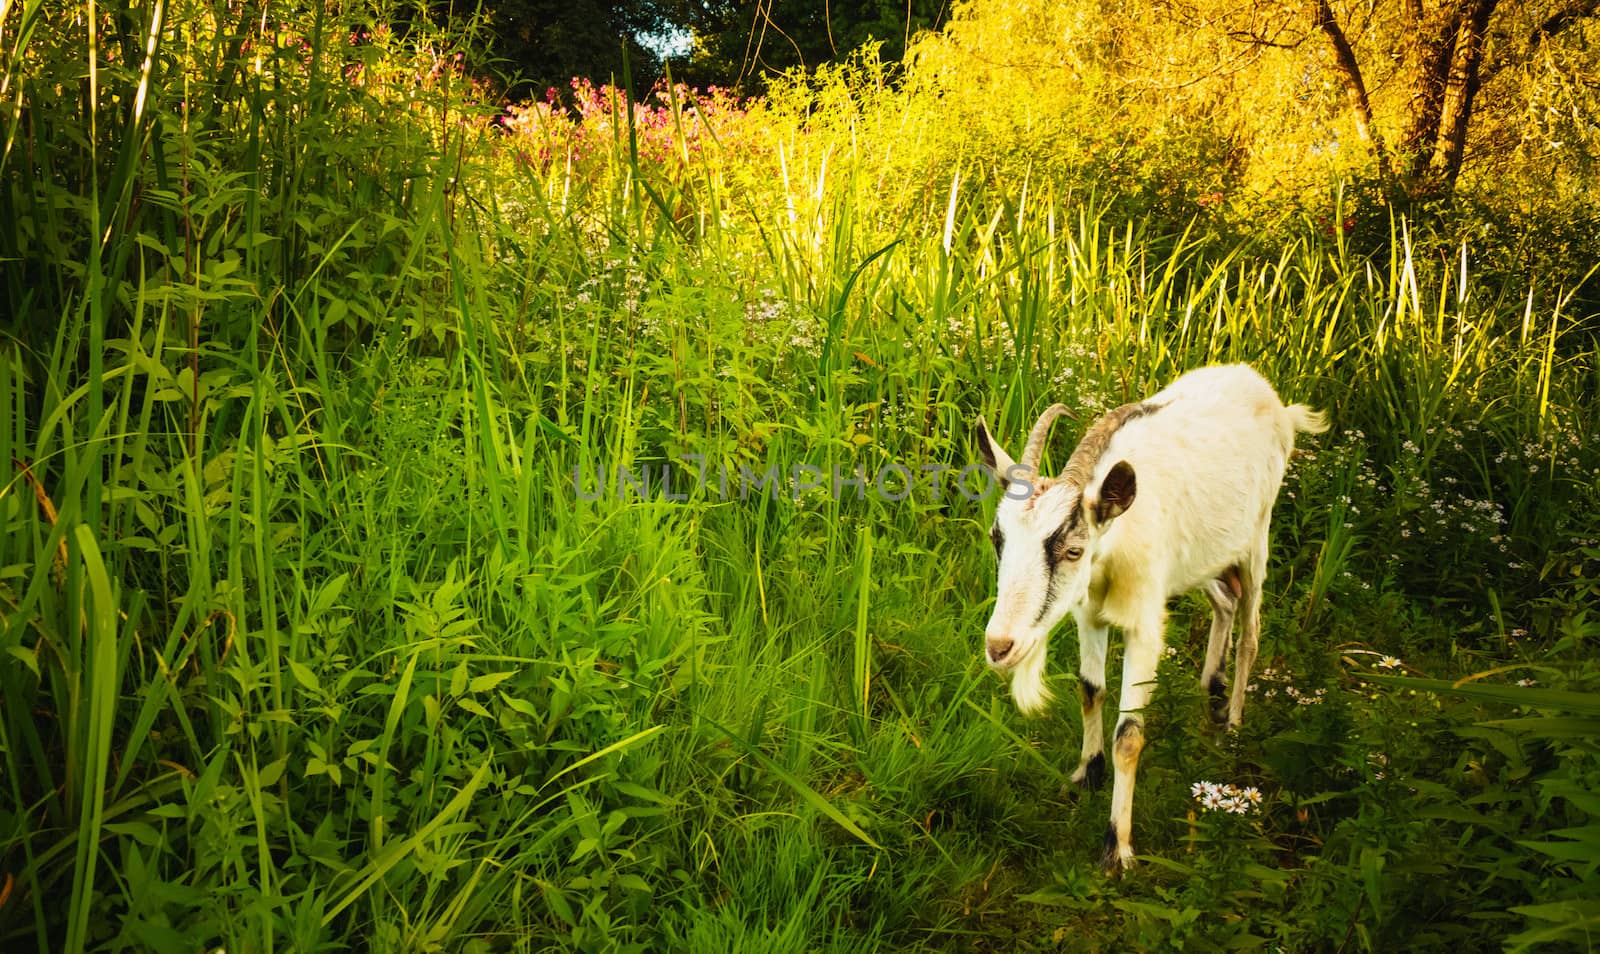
(1091, 775)
(1217, 690)
(1117, 858)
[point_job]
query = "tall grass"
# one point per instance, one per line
(314, 639)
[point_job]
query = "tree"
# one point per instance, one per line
(1272, 103)
(1443, 51)
(740, 42)
(544, 43)
(541, 44)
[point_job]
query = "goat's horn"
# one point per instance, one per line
(1041, 432)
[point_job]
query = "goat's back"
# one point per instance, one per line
(1208, 462)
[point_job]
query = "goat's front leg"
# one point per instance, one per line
(1138, 683)
(1092, 636)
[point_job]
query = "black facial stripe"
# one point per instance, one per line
(1051, 544)
(998, 538)
(1049, 598)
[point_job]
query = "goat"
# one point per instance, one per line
(1205, 459)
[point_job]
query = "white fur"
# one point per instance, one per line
(1208, 463)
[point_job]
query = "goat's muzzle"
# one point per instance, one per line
(999, 647)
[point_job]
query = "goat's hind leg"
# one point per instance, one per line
(1224, 593)
(1253, 574)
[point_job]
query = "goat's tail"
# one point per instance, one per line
(1307, 419)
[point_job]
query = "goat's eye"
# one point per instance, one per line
(1074, 553)
(998, 538)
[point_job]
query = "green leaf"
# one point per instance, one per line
(29, 658)
(1550, 727)
(272, 772)
(1051, 899)
(558, 903)
(142, 832)
(634, 790)
(1565, 850)
(632, 882)
(1581, 703)
(488, 681)
(1574, 910)
(1372, 878)
(304, 676)
(584, 848)
(1575, 921)
(328, 594)
(521, 706)
(613, 747)
(1160, 911)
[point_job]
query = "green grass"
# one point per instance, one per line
(310, 641)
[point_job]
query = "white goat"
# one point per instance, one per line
(1205, 457)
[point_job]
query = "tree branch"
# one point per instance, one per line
(1256, 39)
(1550, 27)
(1355, 89)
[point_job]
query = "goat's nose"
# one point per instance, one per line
(999, 647)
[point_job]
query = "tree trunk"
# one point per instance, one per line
(1461, 88)
(1355, 88)
(1442, 71)
(1442, 68)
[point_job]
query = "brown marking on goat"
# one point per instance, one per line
(1040, 485)
(1091, 694)
(1230, 578)
(1080, 466)
(1129, 742)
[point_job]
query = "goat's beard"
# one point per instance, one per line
(1027, 682)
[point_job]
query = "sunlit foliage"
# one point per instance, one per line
(328, 619)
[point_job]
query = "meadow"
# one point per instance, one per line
(328, 624)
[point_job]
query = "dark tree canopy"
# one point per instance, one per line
(543, 43)
(540, 44)
(739, 42)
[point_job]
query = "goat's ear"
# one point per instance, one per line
(1117, 491)
(994, 457)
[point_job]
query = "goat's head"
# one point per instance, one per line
(1045, 534)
